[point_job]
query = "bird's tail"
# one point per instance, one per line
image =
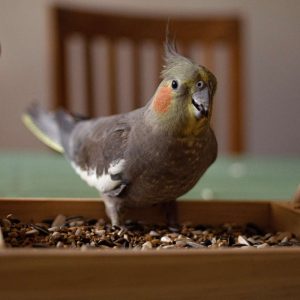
(44, 125)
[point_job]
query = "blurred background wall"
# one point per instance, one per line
(271, 42)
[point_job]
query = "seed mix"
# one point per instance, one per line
(78, 232)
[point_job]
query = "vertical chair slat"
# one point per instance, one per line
(236, 129)
(60, 71)
(160, 54)
(112, 78)
(136, 75)
(208, 51)
(89, 83)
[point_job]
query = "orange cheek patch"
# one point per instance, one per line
(163, 99)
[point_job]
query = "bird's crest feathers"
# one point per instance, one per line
(175, 61)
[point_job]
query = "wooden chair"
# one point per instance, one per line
(206, 32)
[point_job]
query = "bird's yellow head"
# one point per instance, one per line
(183, 100)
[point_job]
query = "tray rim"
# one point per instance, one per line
(29, 252)
(40, 253)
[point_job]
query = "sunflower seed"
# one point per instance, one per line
(54, 228)
(264, 245)
(59, 221)
(147, 245)
(32, 232)
(166, 239)
(100, 232)
(78, 232)
(41, 229)
(195, 245)
(59, 244)
(154, 233)
(242, 241)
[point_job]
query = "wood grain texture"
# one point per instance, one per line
(284, 217)
(31, 274)
(29, 210)
(206, 274)
(212, 213)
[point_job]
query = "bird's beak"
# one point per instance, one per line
(200, 101)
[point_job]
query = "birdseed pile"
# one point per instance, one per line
(77, 232)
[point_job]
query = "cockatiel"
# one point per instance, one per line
(151, 155)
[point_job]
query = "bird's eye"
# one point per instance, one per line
(174, 84)
(200, 84)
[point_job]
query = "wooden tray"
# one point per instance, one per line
(170, 274)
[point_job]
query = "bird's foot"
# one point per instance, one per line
(115, 210)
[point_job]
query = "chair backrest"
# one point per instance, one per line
(196, 37)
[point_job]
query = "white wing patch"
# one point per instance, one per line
(102, 183)
(116, 167)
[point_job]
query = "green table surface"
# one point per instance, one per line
(29, 174)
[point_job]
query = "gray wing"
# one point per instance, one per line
(96, 151)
